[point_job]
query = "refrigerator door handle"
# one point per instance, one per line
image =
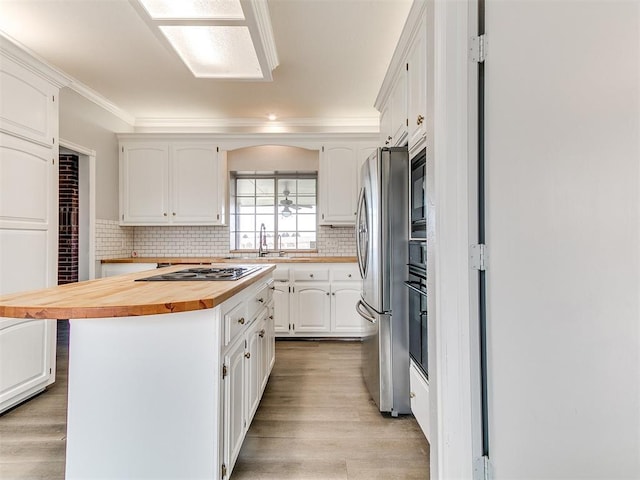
(361, 230)
(364, 313)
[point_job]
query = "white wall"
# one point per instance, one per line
(84, 123)
(267, 158)
(563, 155)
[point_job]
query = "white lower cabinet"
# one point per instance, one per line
(27, 358)
(317, 300)
(419, 393)
(311, 307)
(111, 269)
(249, 356)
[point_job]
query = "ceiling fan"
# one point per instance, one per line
(288, 205)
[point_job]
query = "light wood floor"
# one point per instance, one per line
(315, 421)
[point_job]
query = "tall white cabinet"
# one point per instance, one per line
(28, 216)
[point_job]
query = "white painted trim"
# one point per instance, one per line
(450, 379)
(232, 141)
(101, 101)
(28, 59)
(262, 24)
(91, 154)
(224, 126)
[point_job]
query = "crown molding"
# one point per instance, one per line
(415, 20)
(19, 53)
(252, 125)
(101, 101)
(262, 21)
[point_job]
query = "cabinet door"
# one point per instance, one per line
(417, 90)
(25, 358)
(253, 361)
(145, 183)
(386, 130)
(281, 307)
(338, 184)
(195, 173)
(234, 402)
(311, 312)
(344, 297)
(399, 110)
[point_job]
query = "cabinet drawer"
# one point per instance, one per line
(235, 320)
(346, 274)
(311, 274)
(281, 274)
(261, 298)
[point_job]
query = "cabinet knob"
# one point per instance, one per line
(247, 355)
(420, 120)
(272, 288)
(164, 213)
(311, 275)
(412, 395)
(349, 275)
(241, 320)
(389, 138)
(327, 293)
(333, 293)
(261, 334)
(270, 317)
(174, 214)
(261, 300)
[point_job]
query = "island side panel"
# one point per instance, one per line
(144, 397)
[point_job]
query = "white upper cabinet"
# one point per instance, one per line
(197, 181)
(417, 90)
(402, 100)
(144, 183)
(28, 109)
(338, 184)
(172, 183)
(399, 110)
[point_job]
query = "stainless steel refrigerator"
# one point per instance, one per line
(382, 249)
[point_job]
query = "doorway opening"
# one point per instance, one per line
(76, 219)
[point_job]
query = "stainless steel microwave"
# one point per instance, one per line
(417, 200)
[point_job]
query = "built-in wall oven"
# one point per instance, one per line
(417, 200)
(417, 285)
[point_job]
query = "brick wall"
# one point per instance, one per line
(68, 219)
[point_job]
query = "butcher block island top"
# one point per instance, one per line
(123, 296)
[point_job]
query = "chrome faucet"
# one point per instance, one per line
(262, 248)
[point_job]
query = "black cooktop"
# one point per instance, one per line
(202, 274)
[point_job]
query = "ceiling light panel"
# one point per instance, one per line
(215, 51)
(193, 9)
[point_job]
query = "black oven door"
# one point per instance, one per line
(418, 338)
(418, 209)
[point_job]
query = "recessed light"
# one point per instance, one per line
(272, 117)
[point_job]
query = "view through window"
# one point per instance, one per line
(285, 204)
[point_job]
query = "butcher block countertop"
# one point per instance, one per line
(254, 260)
(122, 296)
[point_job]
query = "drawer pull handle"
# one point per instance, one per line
(272, 288)
(270, 317)
(241, 320)
(311, 275)
(247, 355)
(261, 334)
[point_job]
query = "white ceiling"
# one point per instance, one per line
(333, 57)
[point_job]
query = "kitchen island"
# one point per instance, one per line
(164, 377)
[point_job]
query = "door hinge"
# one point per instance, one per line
(478, 48)
(478, 256)
(224, 470)
(224, 371)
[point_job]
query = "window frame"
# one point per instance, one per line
(276, 177)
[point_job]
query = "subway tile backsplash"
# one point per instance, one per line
(114, 241)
